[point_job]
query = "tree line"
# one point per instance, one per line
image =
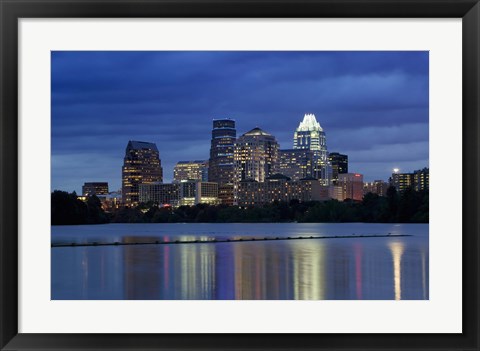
(409, 206)
(68, 209)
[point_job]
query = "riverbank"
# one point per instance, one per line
(407, 207)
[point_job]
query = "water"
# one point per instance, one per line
(383, 268)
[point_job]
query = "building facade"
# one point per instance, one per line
(280, 188)
(309, 135)
(418, 180)
(421, 179)
(378, 187)
(255, 155)
(349, 186)
(401, 181)
(184, 193)
(296, 164)
(191, 170)
(226, 194)
(339, 164)
(221, 164)
(95, 188)
(141, 165)
(159, 193)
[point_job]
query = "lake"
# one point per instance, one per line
(363, 268)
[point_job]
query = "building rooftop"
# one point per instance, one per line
(139, 145)
(278, 176)
(309, 123)
(195, 161)
(257, 131)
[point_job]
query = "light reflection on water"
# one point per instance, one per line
(317, 269)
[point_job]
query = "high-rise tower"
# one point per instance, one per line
(141, 165)
(339, 164)
(256, 154)
(221, 165)
(310, 136)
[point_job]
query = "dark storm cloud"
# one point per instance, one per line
(372, 105)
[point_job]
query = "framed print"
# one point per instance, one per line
(239, 175)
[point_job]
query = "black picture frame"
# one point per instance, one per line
(12, 10)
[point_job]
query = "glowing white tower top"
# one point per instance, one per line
(309, 123)
(310, 136)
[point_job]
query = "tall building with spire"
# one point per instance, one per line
(141, 165)
(256, 155)
(309, 135)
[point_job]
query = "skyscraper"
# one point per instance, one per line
(339, 164)
(221, 164)
(255, 154)
(309, 135)
(141, 165)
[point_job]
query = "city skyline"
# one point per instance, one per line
(92, 118)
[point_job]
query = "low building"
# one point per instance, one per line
(159, 193)
(280, 188)
(95, 188)
(185, 193)
(337, 193)
(349, 186)
(111, 201)
(378, 187)
(192, 193)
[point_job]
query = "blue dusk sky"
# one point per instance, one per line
(373, 106)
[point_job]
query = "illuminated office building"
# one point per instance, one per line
(280, 188)
(378, 187)
(339, 164)
(309, 135)
(296, 164)
(184, 193)
(95, 188)
(226, 194)
(193, 193)
(221, 163)
(141, 165)
(191, 170)
(421, 179)
(418, 180)
(255, 155)
(349, 186)
(159, 193)
(401, 181)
